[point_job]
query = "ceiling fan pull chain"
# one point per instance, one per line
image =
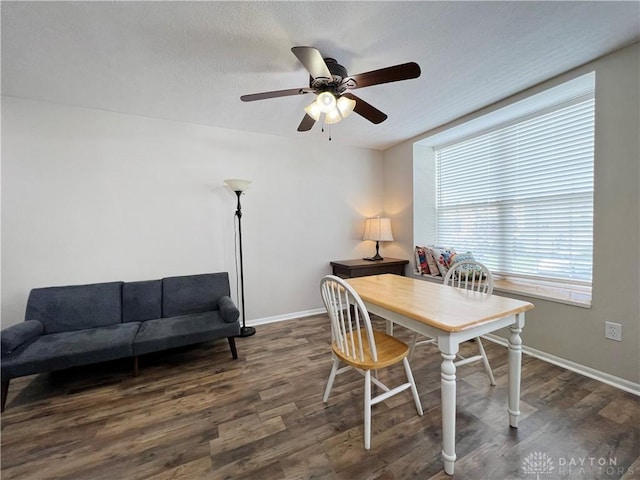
(328, 128)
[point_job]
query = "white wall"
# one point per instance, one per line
(91, 196)
(573, 333)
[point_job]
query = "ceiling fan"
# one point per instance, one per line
(331, 83)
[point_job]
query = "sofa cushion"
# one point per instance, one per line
(141, 300)
(164, 333)
(193, 293)
(70, 349)
(76, 307)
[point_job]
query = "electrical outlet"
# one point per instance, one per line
(613, 331)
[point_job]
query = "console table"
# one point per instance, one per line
(363, 268)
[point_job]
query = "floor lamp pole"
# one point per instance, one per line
(244, 330)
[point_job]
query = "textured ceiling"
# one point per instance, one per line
(191, 61)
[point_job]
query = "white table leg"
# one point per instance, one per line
(448, 392)
(515, 364)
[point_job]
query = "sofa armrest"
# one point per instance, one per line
(15, 335)
(228, 309)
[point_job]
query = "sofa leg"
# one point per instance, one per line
(5, 390)
(135, 366)
(232, 345)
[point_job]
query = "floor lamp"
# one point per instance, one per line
(239, 186)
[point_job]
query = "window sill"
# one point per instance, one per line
(575, 295)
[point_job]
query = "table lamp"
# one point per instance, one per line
(378, 229)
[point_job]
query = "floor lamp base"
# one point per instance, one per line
(247, 331)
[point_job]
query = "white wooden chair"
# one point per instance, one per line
(470, 275)
(356, 344)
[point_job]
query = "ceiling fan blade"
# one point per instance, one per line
(366, 110)
(276, 93)
(396, 73)
(312, 60)
(306, 123)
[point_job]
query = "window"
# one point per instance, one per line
(520, 195)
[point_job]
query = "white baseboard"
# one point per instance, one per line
(603, 377)
(287, 316)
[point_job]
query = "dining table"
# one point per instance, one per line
(450, 316)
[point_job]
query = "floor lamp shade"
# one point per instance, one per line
(239, 186)
(379, 230)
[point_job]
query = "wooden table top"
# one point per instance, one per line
(447, 308)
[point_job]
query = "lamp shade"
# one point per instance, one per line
(332, 116)
(237, 185)
(346, 106)
(313, 111)
(326, 101)
(378, 229)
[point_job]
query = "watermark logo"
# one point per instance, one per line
(540, 463)
(537, 463)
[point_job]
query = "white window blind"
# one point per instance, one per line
(520, 197)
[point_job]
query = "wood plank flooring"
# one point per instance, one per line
(195, 413)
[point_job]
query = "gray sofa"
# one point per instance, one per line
(82, 324)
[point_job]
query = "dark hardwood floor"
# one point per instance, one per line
(195, 413)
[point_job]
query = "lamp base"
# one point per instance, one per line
(247, 331)
(377, 256)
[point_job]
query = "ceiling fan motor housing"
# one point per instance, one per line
(335, 84)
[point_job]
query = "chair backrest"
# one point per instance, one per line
(348, 325)
(470, 275)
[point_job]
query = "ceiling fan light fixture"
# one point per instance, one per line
(326, 101)
(313, 110)
(332, 116)
(346, 106)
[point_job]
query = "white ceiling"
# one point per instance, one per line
(191, 61)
